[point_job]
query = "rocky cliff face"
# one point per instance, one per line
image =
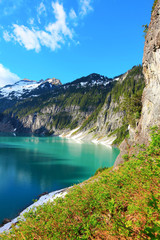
(115, 116)
(151, 69)
(151, 95)
(43, 122)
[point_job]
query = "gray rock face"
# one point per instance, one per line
(53, 81)
(151, 95)
(108, 120)
(151, 69)
(42, 122)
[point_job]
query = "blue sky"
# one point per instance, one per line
(67, 39)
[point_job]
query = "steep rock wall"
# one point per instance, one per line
(42, 122)
(151, 68)
(150, 115)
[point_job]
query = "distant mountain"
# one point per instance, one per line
(91, 80)
(25, 88)
(93, 106)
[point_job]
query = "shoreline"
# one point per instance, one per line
(88, 136)
(79, 137)
(42, 200)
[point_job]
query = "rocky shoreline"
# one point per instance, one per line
(42, 200)
(87, 136)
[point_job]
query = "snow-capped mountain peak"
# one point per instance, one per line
(27, 87)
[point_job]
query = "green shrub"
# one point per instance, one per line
(145, 30)
(121, 134)
(125, 157)
(62, 120)
(99, 170)
(73, 124)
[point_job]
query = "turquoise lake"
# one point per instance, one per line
(30, 166)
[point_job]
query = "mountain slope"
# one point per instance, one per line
(92, 103)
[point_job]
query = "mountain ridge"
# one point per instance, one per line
(21, 87)
(95, 77)
(91, 105)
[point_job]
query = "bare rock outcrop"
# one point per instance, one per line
(151, 69)
(150, 115)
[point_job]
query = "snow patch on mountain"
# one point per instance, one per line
(30, 88)
(25, 86)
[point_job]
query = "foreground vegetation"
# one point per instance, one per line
(120, 204)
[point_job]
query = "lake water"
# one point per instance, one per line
(30, 166)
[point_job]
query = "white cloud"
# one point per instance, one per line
(60, 26)
(72, 14)
(24, 36)
(7, 77)
(7, 37)
(53, 35)
(40, 10)
(47, 40)
(86, 7)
